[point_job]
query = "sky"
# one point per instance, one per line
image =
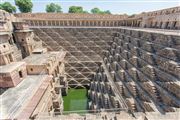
(115, 6)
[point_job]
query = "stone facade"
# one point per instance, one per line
(131, 73)
(142, 70)
(25, 93)
(162, 19)
(12, 74)
(140, 67)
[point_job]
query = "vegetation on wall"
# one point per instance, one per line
(8, 7)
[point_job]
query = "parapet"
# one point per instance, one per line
(21, 101)
(38, 63)
(12, 74)
(20, 25)
(161, 19)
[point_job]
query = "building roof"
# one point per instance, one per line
(42, 59)
(10, 67)
(61, 16)
(13, 100)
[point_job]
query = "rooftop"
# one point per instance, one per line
(41, 59)
(13, 98)
(68, 16)
(10, 67)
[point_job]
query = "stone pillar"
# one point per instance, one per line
(171, 25)
(62, 23)
(80, 22)
(132, 23)
(6, 61)
(12, 57)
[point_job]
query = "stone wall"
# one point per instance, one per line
(84, 49)
(162, 19)
(145, 69)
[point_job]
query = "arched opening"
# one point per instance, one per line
(103, 23)
(57, 23)
(53, 23)
(107, 23)
(99, 23)
(167, 25)
(155, 25)
(74, 23)
(10, 41)
(65, 23)
(83, 23)
(139, 23)
(35, 22)
(20, 74)
(70, 23)
(160, 25)
(14, 39)
(91, 23)
(44, 23)
(87, 23)
(151, 24)
(49, 23)
(78, 23)
(174, 25)
(10, 58)
(56, 74)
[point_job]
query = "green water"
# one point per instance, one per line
(75, 100)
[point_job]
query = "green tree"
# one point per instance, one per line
(85, 11)
(98, 11)
(24, 5)
(53, 8)
(8, 7)
(76, 9)
(107, 12)
(95, 11)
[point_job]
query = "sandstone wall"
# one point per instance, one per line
(145, 69)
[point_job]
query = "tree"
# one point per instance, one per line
(107, 12)
(98, 11)
(131, 16)
(8, 7)
(95, 11)
(53, 8)
(24, 5)
(76, 9)
(85, 11)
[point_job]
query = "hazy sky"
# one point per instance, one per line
(115, 6)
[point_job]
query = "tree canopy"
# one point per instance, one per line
(85, 11)
(24, 5)
(52, 7)
(107, 12)
(8, 7)
(76, 9)
(98, 11)
(95, 11)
